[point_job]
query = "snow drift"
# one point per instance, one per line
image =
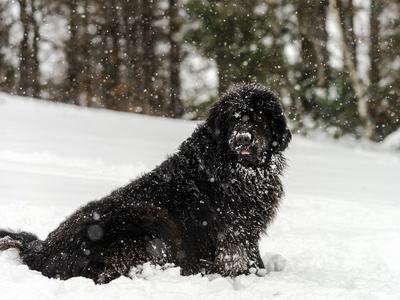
(337, 234)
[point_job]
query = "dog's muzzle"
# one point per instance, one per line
(243, 138)
(242, 142)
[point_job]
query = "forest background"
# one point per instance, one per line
(335, 63)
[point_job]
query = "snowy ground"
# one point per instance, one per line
(338, 228)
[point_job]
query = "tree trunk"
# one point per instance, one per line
(176, 106)
(35, 74)
(148, 60)
(111, 59)
(71, 52)
(346, 10)
(312, 19)
(24, 51)
(374, 74)
(375, 92)
(7, 80)
(362, 101)
(132, 20)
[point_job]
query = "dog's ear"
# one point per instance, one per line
(280, 131)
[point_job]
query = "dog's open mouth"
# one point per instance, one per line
(245, 152)
(246, 156)
(245, 146)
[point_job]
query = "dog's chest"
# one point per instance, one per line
(249, 195)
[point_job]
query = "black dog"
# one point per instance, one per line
(203, 209)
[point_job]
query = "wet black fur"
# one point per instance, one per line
(203, 209)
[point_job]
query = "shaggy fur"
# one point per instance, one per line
(202, 209)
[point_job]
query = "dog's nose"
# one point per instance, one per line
(244, 138)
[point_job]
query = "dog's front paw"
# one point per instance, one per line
(231, 262)
(261, 272)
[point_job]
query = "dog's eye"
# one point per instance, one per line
(258, 116)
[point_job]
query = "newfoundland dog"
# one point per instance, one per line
(203, 209)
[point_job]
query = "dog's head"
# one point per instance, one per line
(250, 121)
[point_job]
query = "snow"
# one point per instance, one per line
(336, 236)
(392, 141)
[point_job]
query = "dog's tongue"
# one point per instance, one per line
(245, 152)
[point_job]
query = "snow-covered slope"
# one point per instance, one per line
(392, 141)
(338, 228)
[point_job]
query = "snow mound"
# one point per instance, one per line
(392, 141)
(337, 232)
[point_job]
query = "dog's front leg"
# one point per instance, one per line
(256, 264)
(231, 257)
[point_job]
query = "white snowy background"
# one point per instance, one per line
(338, 228)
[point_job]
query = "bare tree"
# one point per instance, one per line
(374, 45)
(7, 79)
(312, 19)
(71, 48)
(176, 105)
(110, 56)
(362, 98)
(25, 50)
(347, 12)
